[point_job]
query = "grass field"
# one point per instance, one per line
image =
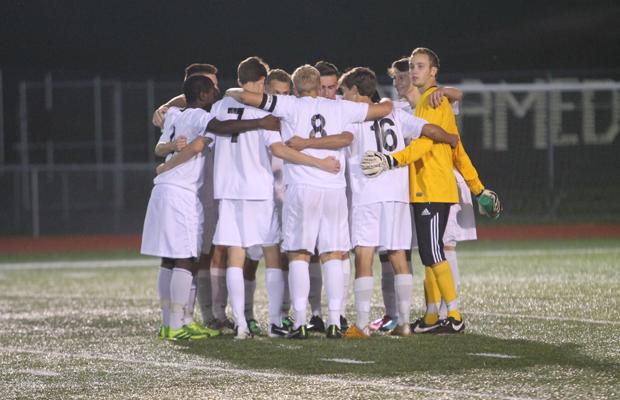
(543, 322)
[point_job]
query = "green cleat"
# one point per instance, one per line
(202, 330)
(163, 332)
(253, 327)
(288, 322)
(184, 334)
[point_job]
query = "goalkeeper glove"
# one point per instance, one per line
(374, 163)
(489, 204)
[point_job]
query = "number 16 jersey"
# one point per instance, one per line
(386, 135)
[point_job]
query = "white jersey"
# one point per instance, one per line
(387, 135)
(403, 105)
(191, 123)
(242, 161)
(309, 117)
(167, 132)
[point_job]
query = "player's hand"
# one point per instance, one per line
(296, 143)
(160, 168)
(330, 164)
(180, 143)
(489, 204)
(270, 123)
(374, 163)
(436, 97)
(159, 116)
(454, 140)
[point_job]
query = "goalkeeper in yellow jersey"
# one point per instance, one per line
(432, 191)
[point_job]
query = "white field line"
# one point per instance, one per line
(545, 318)
(493, 355)
(379, 383)
(154, 262)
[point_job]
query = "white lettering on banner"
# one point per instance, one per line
(590, 134)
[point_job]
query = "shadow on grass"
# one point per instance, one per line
(388, 356)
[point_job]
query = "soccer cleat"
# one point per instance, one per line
(299, 333)
(242, 334)
(333, 332)
(384, 324)
(278, 331)
(419, 326)
(184, 334)
(344, 324)
(401, 330)
(222, 325)
(288, 322)
(253, 327)
(163, 332)
(198, 328)
(316, 324)
(450, 325)
(356, 333)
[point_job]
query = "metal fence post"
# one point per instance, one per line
(119, 186)
(23, 142)
(2, 150)
(98, 129)
(34, 181)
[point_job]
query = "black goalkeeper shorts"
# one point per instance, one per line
(430, 224)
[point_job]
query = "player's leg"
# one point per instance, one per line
(403, 286)
(203, 288)
(299, 285)
(346, 279)
(363, 288)
(449, 250)
(163, 285)
(316, 323)
(219, 291)
(249, 281)
(274, 281)
(236, 289)
(389, 319)
(180, 286)
(287, 321)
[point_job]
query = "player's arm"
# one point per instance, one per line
(159, 115)
(438, 135)
(451, 93)
(197, 146)
(379, 110)
(268, 122)
(162, 148)
(247, 98)
(330, 142)
(329, 164)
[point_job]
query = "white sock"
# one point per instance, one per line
(236, 292)
(203, 294)
(316, 286)
(299, 284)
(387, 289)
(250, 288)
(163, 285)
(363, 288)
(180, 286)
(274, 281)
(403, 283)
(219, 293)
(454, 266)
(346, 279)
(188, 315)
(332, 270)
(286, 299)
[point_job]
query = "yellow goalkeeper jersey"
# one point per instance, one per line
(431, 179)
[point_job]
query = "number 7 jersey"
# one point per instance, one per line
(386, 135)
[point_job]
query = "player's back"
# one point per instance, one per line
(242, 161)
(387, 135)
(191, 123)
(311, 117)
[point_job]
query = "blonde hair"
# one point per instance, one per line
(306, 78)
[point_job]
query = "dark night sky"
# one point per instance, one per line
(159, 38)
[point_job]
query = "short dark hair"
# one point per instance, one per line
(194, 85)
(200, 69)
(251, 70)
(361, 77)
(400, 65)
(434, 60)
(279, 75)
(326, 68)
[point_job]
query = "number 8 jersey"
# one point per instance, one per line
(386, 135)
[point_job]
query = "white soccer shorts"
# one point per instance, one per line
(173, 223)
(315, 218)
(246, 223)
(386, 225)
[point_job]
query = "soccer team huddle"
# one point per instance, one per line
(303, 170)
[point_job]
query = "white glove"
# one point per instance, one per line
(374, 163)
(489, 204)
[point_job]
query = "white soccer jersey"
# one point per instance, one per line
(191, 123)
(309, 117)
(168, 133)
(403, 105)
(242, 161)
(387, 135)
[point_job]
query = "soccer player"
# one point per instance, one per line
(178, 240)
(315, 206)
(244, 185)
(380, 211)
